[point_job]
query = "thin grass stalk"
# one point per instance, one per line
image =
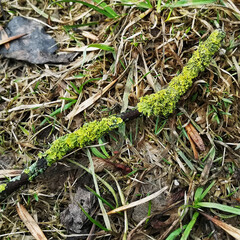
(123, 201)
(190, 226)
(104, 212)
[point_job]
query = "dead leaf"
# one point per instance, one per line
(164, 220)
(234, 232)
(27, 144)
(30, 223)
(195, 152)
(193, 133)
(99, 165)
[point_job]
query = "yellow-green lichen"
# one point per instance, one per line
(27, 170)
(2, 187)
(164, 101)
(88, 133)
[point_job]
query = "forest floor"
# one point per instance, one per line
(124, 50)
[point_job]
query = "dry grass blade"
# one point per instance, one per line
(152, 82)
(7, 40)
(94, 98)
(193, 133)
(136, 203)
(120, 48)
(234, 232)
(229, 4)
(90, 100)
(4, 36)
(30, 223)
(24, 107)
(9, 173)
(42, 13)
(80, 49)
(90, 35)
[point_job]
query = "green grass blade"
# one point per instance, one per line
(24, 130)
(88, 81)
(190, 226)
(207, 190)
(145, 4)
(104, 212)
(176, 233)
(98, 196)
(198, 194)
(74, 87)
(158, 130)
(97, 153)
(107, 185)
(182, 155)
(102, 46)
(123, 201)
(141, 4)
(69, 27)
(159, 6)
(219, 206)
(106, 8)
(187, 3)
(93, 220)
(100, 141)
(88, 5)
(68, 105)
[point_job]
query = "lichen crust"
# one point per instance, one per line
(88, 133)
(32, 171)
(164, 101)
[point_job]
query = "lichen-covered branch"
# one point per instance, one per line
(88, 133)
(164, 101)
(161, 103)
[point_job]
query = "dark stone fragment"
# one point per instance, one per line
(73, 218)
(36, 47)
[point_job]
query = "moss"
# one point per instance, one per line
(164, 101)
(88, 133)
(2, 187)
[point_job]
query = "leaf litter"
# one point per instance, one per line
(151, 45)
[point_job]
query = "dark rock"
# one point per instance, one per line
(36, 47)
(73, 218)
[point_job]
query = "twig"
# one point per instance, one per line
(160, 103)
